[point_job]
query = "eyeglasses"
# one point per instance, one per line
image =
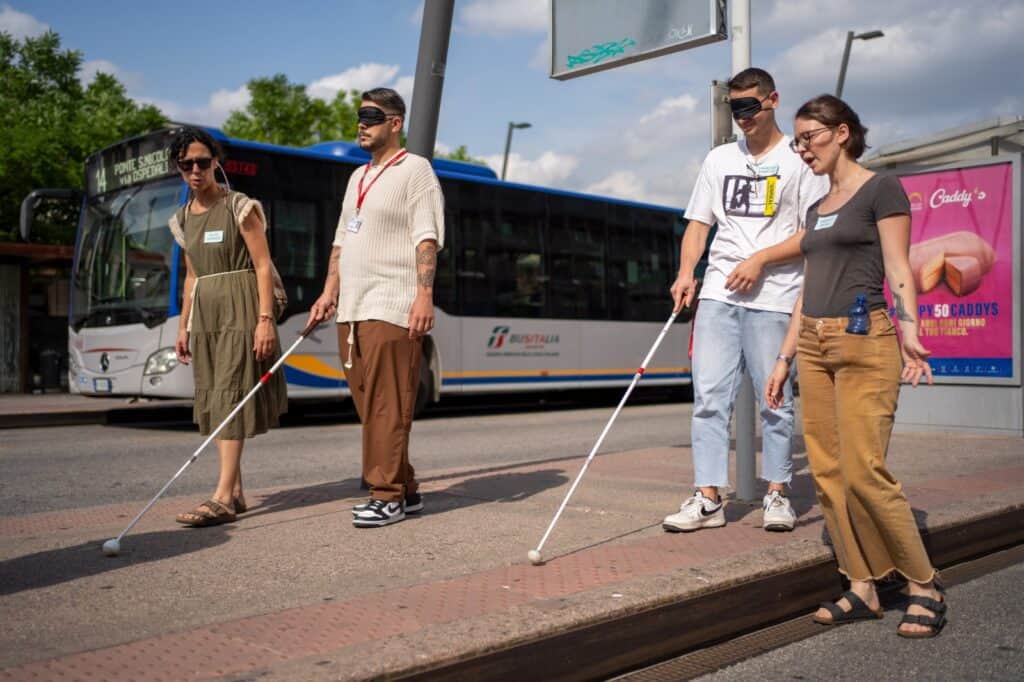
(804, 139)
(372, 116)
(204, 163)
(747, 107)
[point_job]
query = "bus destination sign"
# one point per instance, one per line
(134, 161)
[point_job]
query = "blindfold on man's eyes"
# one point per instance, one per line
(371, 115)
(745, 107)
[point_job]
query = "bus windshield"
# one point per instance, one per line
(122, 273)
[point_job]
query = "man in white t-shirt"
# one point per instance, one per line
(757, 191)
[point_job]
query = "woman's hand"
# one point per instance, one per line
(263, 339)
(773, 394)
(915, 361)
(181, 347)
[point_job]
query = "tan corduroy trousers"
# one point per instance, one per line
(849, 385)
(384, 379)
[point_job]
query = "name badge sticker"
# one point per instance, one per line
(213, 237)
(354, 224)
(825, 222)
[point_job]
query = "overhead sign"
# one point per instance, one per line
(594, 35)
(964, 248)
(136, 160)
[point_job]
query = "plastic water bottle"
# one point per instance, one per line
(859, 320)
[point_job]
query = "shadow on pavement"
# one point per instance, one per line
(56, 566)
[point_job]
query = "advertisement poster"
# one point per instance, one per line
(961, 257)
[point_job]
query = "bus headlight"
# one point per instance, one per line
(161, 362)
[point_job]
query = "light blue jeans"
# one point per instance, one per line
(726, 340)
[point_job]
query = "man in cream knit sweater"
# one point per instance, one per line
(380, 281)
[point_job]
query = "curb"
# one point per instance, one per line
(620, 644)
(114, 415)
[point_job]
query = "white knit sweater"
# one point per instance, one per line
(403, 207)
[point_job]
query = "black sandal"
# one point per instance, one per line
(936, 621)
(858, 611)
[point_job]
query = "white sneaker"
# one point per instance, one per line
(379, 513)
(695, 513)
(778, 513)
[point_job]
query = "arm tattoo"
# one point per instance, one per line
(426, 264)
(901, 311)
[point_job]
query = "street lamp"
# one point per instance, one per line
(508, 144)
(850, 37)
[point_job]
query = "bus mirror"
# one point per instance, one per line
(32, 201)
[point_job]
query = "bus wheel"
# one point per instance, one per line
(426, 391)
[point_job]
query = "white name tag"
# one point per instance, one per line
(213, 237)
(825, 222)
(354, 224)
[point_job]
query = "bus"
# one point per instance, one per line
(536, 289)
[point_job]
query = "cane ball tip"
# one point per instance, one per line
(535, 558)
(111, 547)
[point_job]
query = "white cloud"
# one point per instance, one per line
(416, 18)
(223, 102)
(19, 24)
(443, 149)
(670, 108)
(362, 77)
(403, 86)
(550, 169)
(130, 79)
(498, 18)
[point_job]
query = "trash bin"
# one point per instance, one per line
(49, 368)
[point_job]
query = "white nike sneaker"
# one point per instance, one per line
(778, 513)
(695, 513)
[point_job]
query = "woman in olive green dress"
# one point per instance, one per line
(227, 328)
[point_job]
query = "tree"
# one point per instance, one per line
(462, 154)
(50, 123)
(282, 112)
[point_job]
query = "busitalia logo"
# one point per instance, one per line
(502, 337)
(497, 339)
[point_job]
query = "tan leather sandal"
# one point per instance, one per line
(209, 513)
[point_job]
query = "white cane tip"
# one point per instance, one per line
(111, 547)
(535, 558)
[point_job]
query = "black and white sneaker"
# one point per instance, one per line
(379, 513)
(413, 504)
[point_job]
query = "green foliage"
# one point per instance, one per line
(462, 154)
(281, 112)
(50, 123)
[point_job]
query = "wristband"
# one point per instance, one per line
(788, 359)
(267, 316)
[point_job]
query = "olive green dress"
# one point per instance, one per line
(225, 311)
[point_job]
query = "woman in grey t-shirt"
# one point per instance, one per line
(858, 235)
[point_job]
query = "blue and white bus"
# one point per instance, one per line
(536, 289)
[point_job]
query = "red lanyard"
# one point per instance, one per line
(361, 192)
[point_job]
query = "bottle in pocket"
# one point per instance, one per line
(859, 320)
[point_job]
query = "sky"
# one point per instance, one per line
(637, 132)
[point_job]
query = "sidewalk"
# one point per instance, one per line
(292, 591)
(22, 410)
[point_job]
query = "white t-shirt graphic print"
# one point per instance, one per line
(756, 204)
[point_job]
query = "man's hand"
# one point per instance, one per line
(421, 317)
(323, 309)
(683, 290)
(745, 276)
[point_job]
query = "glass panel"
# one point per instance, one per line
(577, 259)
(515, 261)
(294, 228)
(122, 275)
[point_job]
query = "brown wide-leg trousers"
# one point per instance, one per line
(384, 378)
(849, 385)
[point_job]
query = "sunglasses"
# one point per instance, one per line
(204, 163)
(804, 139)
(746, 107)
(372, 116)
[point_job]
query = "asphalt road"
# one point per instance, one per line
(984, 640)
(48, 469)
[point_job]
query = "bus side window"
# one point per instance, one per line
(294, 248)
(444, 280)
(515, 255)
(474, 223)
(576, 253)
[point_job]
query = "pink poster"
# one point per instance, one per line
(961, 256)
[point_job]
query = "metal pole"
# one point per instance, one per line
(842, 65)
(745, 400)
(508, 145)
(430, 67)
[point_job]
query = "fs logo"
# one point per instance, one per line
(497, 339)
